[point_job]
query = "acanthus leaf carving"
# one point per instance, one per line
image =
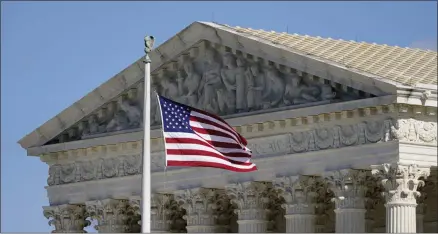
(401, 182)
(202, 207)
(249, 197)
(162, 208)
(299, 193)
(349, 188)
(67, 218)
(111, 214)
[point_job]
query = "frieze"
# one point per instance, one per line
(415, 131)
(216, 80)
(338, 136)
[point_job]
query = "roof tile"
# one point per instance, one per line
(405, 65)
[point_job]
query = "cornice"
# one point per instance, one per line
(423, 96)
(129, 143)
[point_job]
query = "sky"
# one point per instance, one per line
(53, 53)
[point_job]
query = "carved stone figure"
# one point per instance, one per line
(297, 93)
(133, 113)
(327, 93)
(93, 126)
(275, 88)
(210, 83)
(169, 88)
(119, 122)
(229, 77)
(255, 81)
(240, 85)
(188, 86)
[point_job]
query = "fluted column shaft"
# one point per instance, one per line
(401, 183)
(350, 220)
(67, 218)
(349, 189)
(300, 223)
(251, 199)
(400, 218)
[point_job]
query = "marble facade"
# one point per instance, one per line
(337, 150)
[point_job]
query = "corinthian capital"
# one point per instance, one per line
(67, 218)
(249, 195)
(201, 205)
(111, 214)
(401, 182)
(348, 187)
(299, 193)
(162, 208)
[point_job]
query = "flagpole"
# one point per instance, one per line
(146, 178)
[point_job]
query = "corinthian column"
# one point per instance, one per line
(349, 191)
(251, 199)
(202, 207)
(299, 193)
(111, 215)
(67, 218)
(401, 183)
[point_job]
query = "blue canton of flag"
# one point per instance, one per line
(195, 138)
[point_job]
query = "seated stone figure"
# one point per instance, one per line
(296, 92)
(118, 122)
(274, 90)
(133, 113)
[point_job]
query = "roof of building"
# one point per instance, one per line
(405, 65)
(378, 68)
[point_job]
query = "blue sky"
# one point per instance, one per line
(53, 53)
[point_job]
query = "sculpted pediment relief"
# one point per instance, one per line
(216, 79)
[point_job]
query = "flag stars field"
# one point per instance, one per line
(195, 138)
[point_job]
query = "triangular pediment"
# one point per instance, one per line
(212, 68)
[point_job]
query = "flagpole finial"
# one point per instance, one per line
(148, 43)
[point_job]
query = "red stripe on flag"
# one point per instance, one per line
(207, 164)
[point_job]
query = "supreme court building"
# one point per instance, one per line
(344, 135)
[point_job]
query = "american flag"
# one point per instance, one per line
(195, 138)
